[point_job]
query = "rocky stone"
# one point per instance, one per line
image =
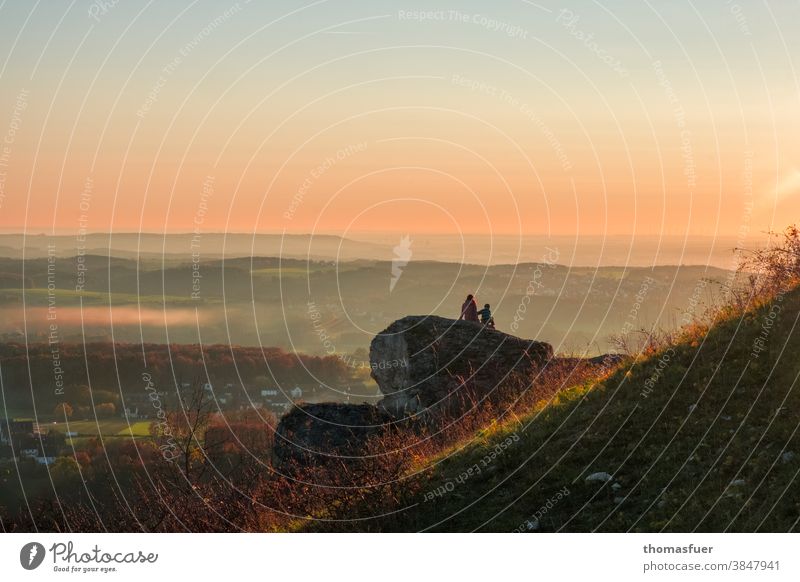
(603, 362)
(532, 524)
(607, 360)
(601, 476)
(423, 365)
(426, 364)
(313, 433)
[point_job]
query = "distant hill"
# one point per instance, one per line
(181, 247)
(471, 249)
(269, 301)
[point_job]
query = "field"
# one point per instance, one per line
(308, 269)
(284, 271)
(108, 427)
(39, 296)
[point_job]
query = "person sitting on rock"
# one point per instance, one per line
(469, 309)
(486, 316)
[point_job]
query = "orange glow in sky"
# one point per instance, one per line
(372, 119)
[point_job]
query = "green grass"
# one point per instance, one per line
(108, 427)
(138, 429)
(16, 414)
(86, 429)
(673, 469)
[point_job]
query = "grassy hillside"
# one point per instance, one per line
(698, 436)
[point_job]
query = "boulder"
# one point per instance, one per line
(600, 476)
(426, 364)
(314, 433)
(532, 524)
(423, 365)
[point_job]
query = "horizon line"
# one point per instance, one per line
(371, 232)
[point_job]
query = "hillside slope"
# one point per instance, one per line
(698, 437)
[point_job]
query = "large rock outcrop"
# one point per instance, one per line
(425, 366)
(312, 433)
(429, 364)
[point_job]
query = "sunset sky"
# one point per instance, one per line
(637, 117)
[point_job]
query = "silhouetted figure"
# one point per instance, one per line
(486, 316)
(469, 309)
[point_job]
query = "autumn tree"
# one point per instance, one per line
(776, 268)
(63, 410)
(65, 470)
(105, 410)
